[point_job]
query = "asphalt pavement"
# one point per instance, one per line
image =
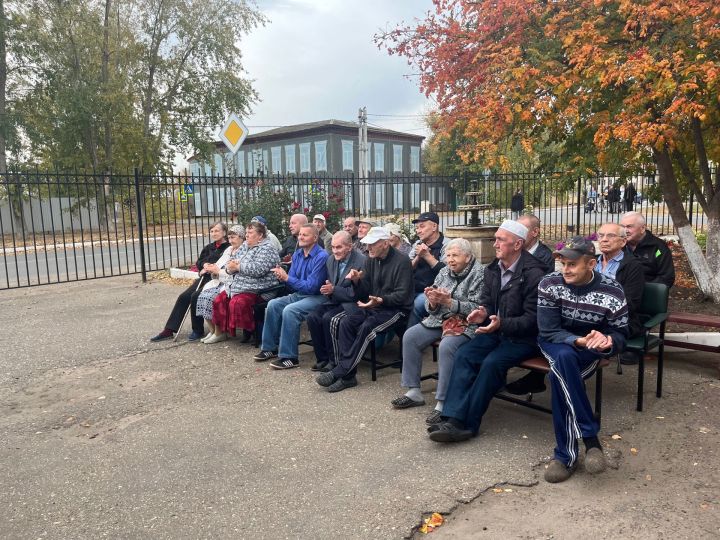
(108, 435)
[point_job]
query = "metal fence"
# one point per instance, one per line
(59, 227)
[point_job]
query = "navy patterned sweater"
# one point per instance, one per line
(566, 312)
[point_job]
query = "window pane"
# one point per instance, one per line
(266, 161)
(240, 162)
(415, 196)
(398, 196)
(397, 157)
(414, 159)
(379, 149)
(380, 197)
(290, 158)
(276, 160)
(321, 156)
(347, 155)
(305, 157)
(218, 164)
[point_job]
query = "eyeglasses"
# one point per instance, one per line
(609, 236)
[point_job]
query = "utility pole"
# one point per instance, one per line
(363, 159)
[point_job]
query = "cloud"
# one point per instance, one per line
(316, 60)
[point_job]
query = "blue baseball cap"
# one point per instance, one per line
(259, 219)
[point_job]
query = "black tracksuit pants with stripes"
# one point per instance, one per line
(356, 330)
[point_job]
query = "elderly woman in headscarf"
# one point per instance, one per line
(188, 298)
(220, 277)
(453, 295)
(252, 276)
(397, 239)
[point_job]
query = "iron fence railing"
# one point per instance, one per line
(59, 227)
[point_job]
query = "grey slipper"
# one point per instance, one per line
(404, 402)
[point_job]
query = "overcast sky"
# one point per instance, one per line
(316, 60)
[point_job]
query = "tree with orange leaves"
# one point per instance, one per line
(619, 83)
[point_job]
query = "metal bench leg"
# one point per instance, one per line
(661, 349)
(598, 394)
(641, 382)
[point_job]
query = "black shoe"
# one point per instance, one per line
(318, 366)
(447, 432)
(342, 384)
(246, 336)
(285, 363)
(162, 336)
(327, 368)
(194, 336)
(532, 383)
(264, 355)
(325, 379)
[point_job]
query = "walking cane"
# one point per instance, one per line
(202, 278)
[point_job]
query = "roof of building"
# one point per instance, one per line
(325, 125)
(322, 126)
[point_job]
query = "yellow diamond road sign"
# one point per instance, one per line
(233, 133)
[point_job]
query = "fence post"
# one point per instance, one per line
(690, 209)
(579, 205)
(141, 239)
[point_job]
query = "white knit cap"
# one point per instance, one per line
(518, 229)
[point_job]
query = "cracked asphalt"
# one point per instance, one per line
(105, 434)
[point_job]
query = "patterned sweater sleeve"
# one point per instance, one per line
(549, 312)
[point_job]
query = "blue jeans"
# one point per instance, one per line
(418, 312)
(283, 318)
(478, 373)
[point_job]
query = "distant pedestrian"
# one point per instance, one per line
(517, 203)
(630, 193)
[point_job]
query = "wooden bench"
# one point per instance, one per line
(695, 319)
(541, 365)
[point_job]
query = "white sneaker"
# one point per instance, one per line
(216, 338)
(210, 334)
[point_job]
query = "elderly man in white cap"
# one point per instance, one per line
(324, 236)
(385, 292)
(507, 335)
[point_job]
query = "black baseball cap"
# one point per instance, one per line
(575, 248)
(427, 216)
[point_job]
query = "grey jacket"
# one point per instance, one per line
(465, 288)
(344, 291)
(255, 265)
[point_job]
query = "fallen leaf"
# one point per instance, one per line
(704, 430)
(431, 523)
(633, 451)
(497, 490)
(508, 490)
(648, 477)
(616, 437)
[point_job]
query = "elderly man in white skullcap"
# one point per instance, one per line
(507, 335)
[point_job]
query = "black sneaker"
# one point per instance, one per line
(285, 363)
(264, 355)
(341, 384)
(318, 366)
(162, 336)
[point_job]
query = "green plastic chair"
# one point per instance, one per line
(653, 312)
